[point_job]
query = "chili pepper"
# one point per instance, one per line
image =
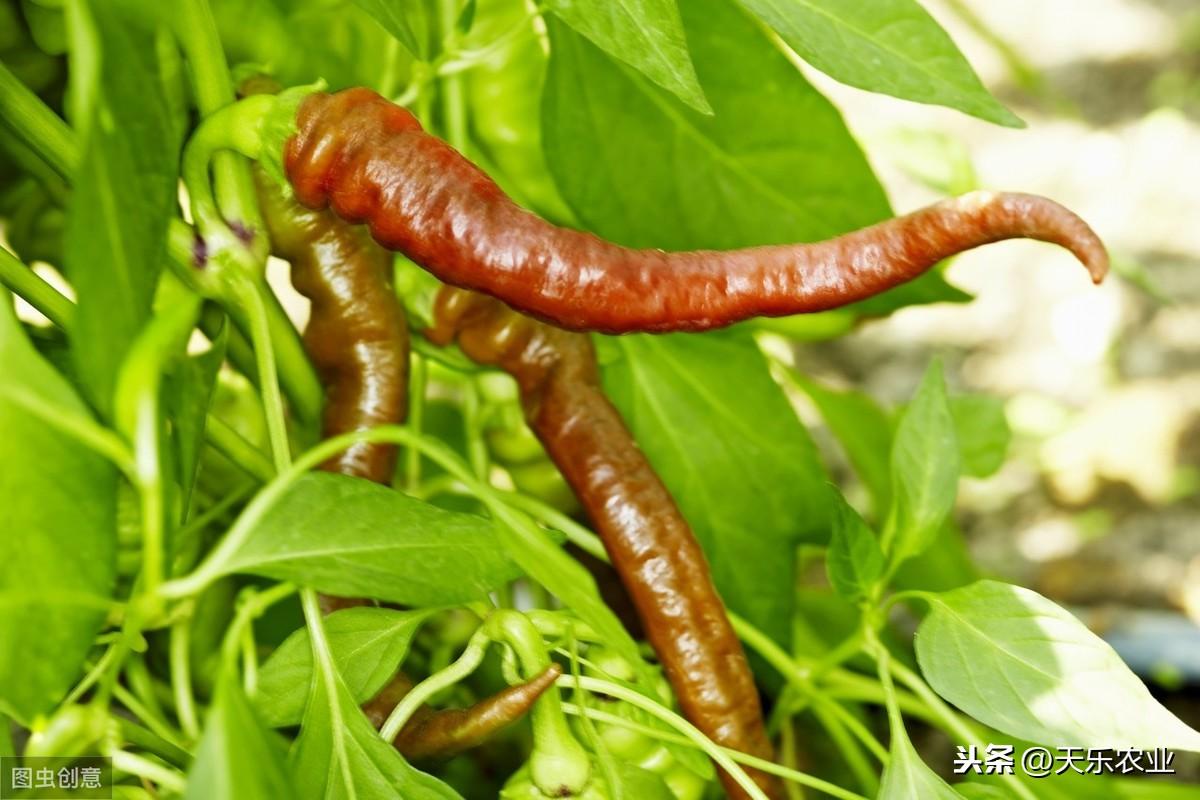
(440, 734)
(358, 340)
(370, 161)
(650, 544)
(356, 335)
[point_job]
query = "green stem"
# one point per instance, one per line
(231, 444)
(463, 666)
(181, 676)
(32, 121)
(558, 761)
(251, 300)
(761, 764)
(160, 726)
(148, 740)
(693, 734)
(454, 104)
(213, 87)
(250, 607)
(137, 413)
(152, 771)
(417, 383)
(850, 749)
(30, 287)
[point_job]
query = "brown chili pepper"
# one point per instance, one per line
(441, 734)
(356, 337)
(358, 340)
(370, 161)
(651, 545)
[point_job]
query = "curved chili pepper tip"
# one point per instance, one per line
(448, 732)
(1016, 215)
(371, 162)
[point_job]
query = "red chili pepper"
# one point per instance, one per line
(370, 161)
(650, 544)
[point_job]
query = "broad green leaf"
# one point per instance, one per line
(368, 646)
(774, 164)
(505, 94)
(925, 467)
(863, 429)
(339, 756)
(58, 517)
(982, 431)
(353, 538)
(855, 561)
(907, 777)
(409, 22)
(1021, 664)
(238, 758)
(124, 190)
(645, 34)
(738, 462)
(888, 46)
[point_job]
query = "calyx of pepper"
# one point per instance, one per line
(278, 125)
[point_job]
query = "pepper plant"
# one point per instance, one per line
(168, 541)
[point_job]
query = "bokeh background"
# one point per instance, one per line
(1098, 504)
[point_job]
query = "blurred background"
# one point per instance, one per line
(1098, 504)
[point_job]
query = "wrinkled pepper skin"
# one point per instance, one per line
(371, 162)
(651, 545)
(357, 337)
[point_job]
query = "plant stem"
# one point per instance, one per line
(32, 121)
(181, 676)
(213, 87)
(417, 383)
(787, 773)
(150, 770)
(713, 751)
(464, 665)
(251, 300)
(30, 287)
(454, 104)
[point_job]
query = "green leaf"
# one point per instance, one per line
(728, 445)
(187, 394)
(353, 538)
(863, 429)
(925, 467)
(907, 777)
(124, 190)
(888, 46)
(58, 515)
(1021, 664)
(855, 560)
(237, 758)
(981, 791)
(982, 431)
(645, 34)
(774, 164)
(339, 756)
(368, 646)
(409, 22)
